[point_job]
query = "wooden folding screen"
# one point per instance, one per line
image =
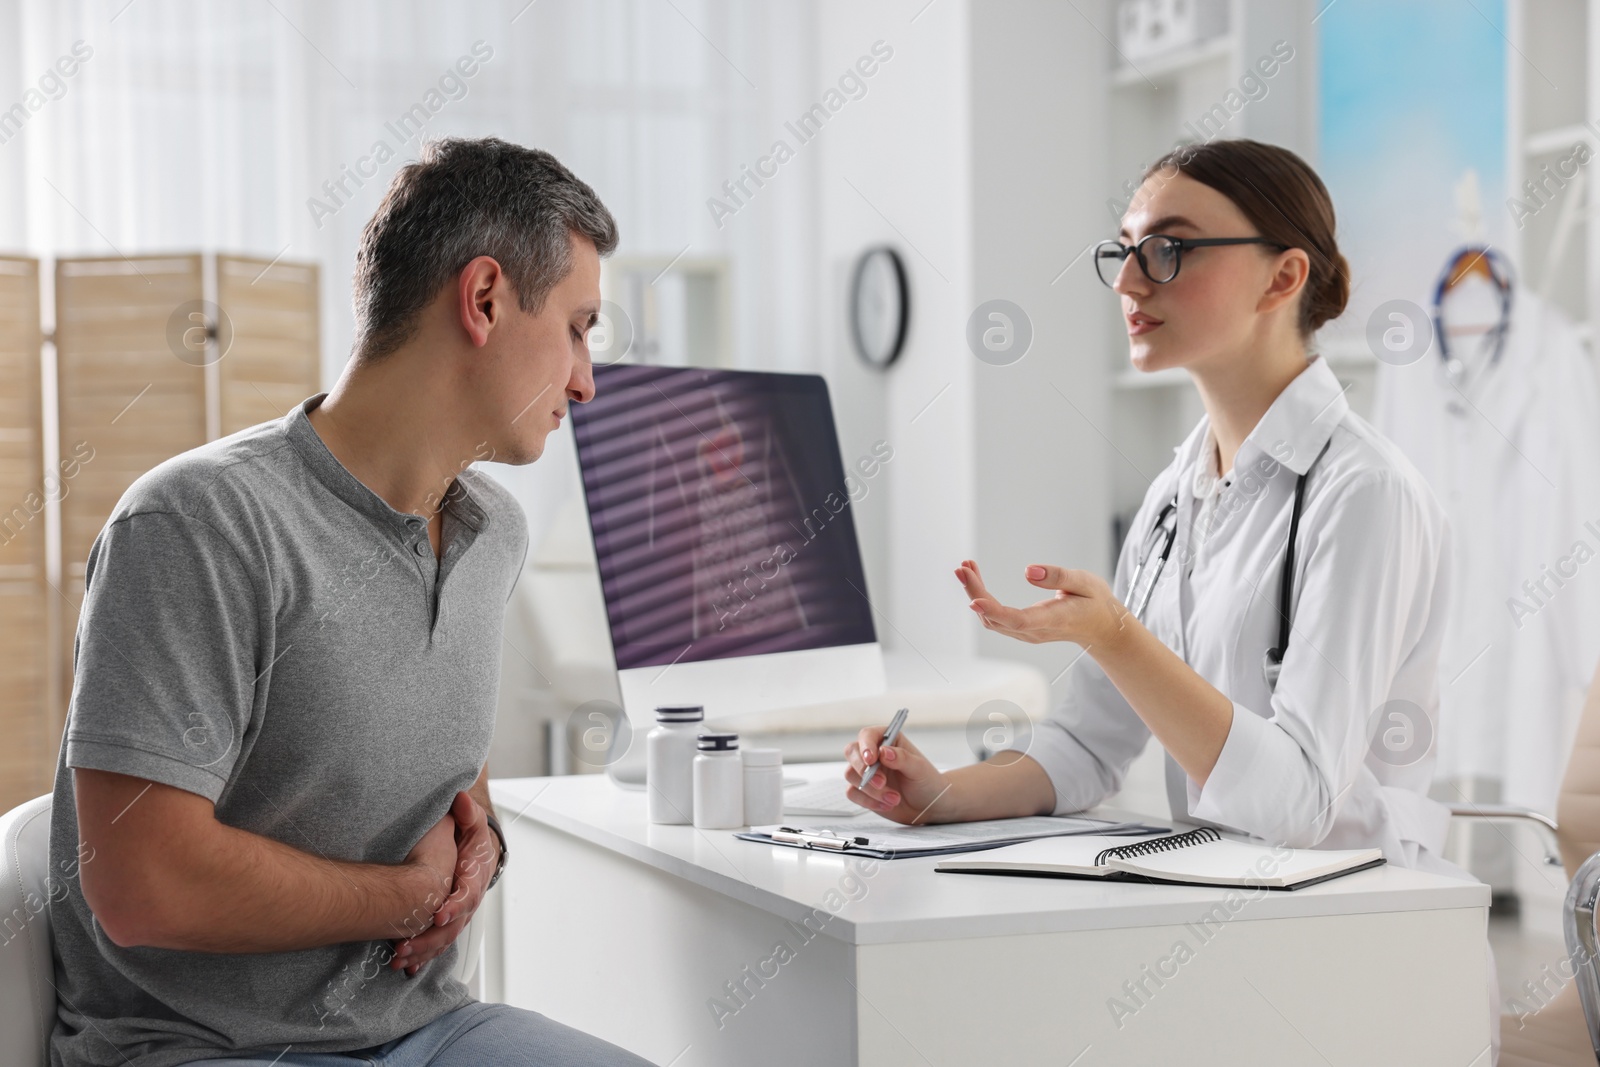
(124, 394)
(135, 340)
(31, 731)
(274, 358)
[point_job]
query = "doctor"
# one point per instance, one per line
(1286, 653)
(1317, 733)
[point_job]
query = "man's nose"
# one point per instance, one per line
(580, 387)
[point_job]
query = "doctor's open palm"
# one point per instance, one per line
(1083, 610)
(906, 785)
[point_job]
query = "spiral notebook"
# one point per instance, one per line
(1196, 857)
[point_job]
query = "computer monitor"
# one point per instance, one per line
(723, 528)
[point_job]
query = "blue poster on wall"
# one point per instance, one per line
(1412, 140)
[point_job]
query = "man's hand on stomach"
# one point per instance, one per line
(475, 850)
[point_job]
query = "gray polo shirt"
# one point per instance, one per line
(260, 628)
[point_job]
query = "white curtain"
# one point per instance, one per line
(196, 125)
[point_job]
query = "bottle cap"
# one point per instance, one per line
(680, 713)
(762, 757)
(718, 742)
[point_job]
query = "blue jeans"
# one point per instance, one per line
(472, 1035)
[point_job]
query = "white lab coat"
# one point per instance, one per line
(1516, 464)
(1300, 765)
(1306, 765)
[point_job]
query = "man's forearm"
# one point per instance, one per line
(479, 790)
(243, 892)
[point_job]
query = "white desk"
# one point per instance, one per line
(636, 933)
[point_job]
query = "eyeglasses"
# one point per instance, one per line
(1160, 255)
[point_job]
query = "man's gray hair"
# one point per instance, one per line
(464, 199)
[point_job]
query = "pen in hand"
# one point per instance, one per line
(890, 736)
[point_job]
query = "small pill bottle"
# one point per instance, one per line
(718, 782)
(763, 786)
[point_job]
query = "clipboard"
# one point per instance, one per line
(943, 842)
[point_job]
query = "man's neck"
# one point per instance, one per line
(387, 427)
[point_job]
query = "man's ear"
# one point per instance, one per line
(480, 289)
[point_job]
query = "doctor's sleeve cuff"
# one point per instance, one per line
(1258, 760)
(1081, 780)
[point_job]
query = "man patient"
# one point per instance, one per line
(287, 660)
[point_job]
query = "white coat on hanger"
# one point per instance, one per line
(1514, 456)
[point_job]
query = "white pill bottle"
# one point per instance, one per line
(718, 782)
(669, 763)
(763, 786)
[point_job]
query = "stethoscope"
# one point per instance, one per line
(1165, 532)
(1456, 370)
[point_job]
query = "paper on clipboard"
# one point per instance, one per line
(889, 840)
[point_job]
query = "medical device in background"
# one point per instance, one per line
(1476, 284)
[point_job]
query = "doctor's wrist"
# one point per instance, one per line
(1119, 639)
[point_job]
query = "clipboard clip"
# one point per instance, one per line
(825, 839)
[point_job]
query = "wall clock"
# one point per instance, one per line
(880, 306)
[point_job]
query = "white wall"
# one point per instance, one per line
(895, 171)
(978, 155)
(1041, 425)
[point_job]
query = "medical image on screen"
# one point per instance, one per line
(720, 513)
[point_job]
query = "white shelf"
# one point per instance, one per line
(1558, 139)
(1171, 65)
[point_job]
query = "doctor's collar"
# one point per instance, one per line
(1291, 432)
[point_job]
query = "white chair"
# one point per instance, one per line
(27, 993)
(27, 975)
